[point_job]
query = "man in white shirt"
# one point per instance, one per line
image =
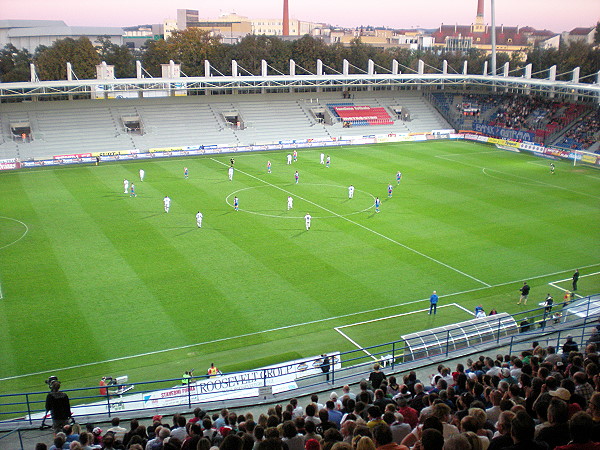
(167, 203)
(230, 173)
(289, 158)
(350, 191)
(307, 218)
(125, 186)
(142, 173)
(199, 219)
(322, 158)
(290, 202)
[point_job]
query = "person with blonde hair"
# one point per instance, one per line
(365, 443)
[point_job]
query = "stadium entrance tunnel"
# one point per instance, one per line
(449, 338)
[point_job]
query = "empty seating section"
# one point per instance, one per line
(82, 126)
(275, 120)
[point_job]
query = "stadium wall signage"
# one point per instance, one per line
(125, 155)
(503, 133)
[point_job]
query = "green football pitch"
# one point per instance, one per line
(95, 282)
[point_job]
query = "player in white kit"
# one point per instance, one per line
(199, 219)
(142, 174)
(125, 186)
(167, 203)
(290, 202)
(307, 218)
(230, 173)
(289, 158)
(322, 158)
(350, 191)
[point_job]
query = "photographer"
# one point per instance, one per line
(57, 403)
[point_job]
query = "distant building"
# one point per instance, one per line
(136, 36)
(478, 35)
(585, 35)
(30, 34)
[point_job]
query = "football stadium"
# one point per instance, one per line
(403, 187)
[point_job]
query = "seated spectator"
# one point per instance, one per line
(557, 433)
(396, 423)
(365, 443)
(411, 416)
(382, 436)
(503, 438)
(580, 432)
(431, 439)
(457, 442)
(293, 440)
(522, 430)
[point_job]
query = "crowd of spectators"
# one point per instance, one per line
(584, 134)
(541, 399)
(527, 113)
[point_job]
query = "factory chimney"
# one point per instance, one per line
(286, 19)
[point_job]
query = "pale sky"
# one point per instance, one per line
(555, 15)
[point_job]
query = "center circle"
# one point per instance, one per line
(333, 198)
(11, 231)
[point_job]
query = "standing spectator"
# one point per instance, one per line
(524, 293)
(569, 345)
(376, 377)
(325, 363)
(433, 301)
(59, 406)
(575, 279)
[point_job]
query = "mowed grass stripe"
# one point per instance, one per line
(272, 271)
(170, 246)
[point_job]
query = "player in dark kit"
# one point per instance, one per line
(575, 279)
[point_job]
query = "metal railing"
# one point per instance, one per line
(26, 410)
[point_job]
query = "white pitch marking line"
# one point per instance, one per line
(464, 309)
(338, 329)
(394, 316)
(285, 327)
(21, 237)
(563, 289)
(521, 177)
(569, 279)
(364, 227)
(357, 346)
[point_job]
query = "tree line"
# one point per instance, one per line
(191, 47)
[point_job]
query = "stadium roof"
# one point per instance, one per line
(65, 31)
(9, 23)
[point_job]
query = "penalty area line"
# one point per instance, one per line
(552, 283)
(354, 342)
(361, 348)
(284, 327)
